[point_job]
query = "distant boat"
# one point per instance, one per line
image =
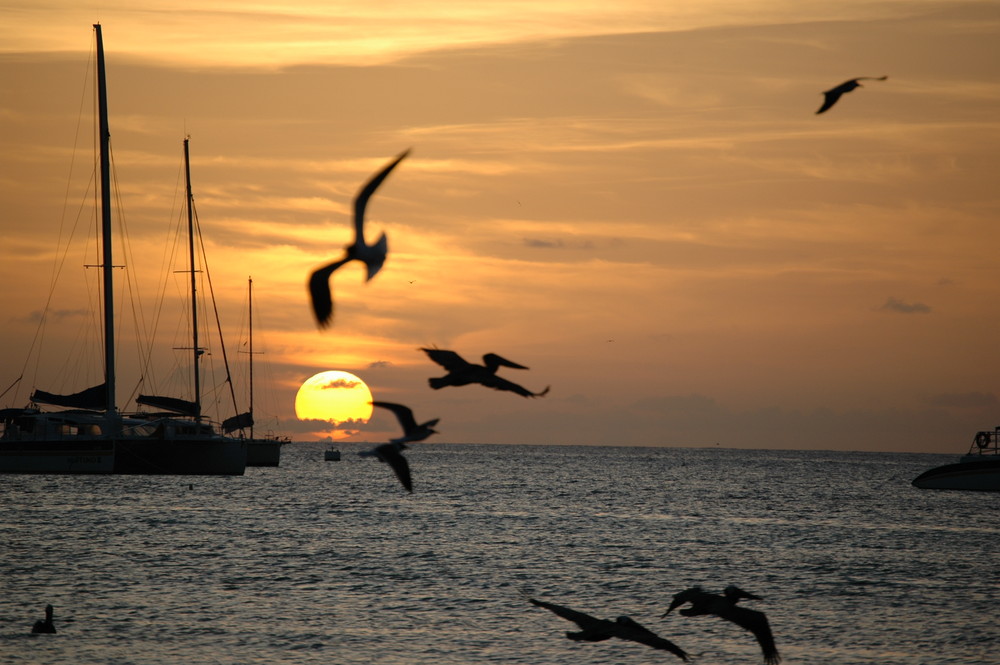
(331, 455)
(979, 469)
(92, 435)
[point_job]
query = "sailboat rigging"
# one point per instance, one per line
(92, 435)
(265, 451)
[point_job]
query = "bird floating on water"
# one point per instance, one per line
(593, 629)
(373, 256)
(725, 607)
(45, 626)
(831, 96)
(412, 432)
(392, 454)
(461, 372)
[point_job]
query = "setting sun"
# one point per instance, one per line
(334, 396)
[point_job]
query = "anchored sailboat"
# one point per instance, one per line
(264, 451)
(92, 435)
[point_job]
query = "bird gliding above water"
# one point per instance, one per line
(373, 256)
(412, 432)
(726, 608)
(831, 96)
(462, 373)
(392, 454)
(593, 629)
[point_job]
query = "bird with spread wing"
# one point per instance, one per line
(373, 256)
(831, 96)
(593, 629)
(725, 607)
(462, 373)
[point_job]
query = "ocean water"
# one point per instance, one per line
(332, 562)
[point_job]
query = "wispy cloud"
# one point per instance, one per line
(542, 243)
(900, 307)
(340, 383)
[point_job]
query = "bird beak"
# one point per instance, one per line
(671, 608)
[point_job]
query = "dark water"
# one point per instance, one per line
(331, 562)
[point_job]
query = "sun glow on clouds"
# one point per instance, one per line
(229, 32)
(334, 396)
(673, 192)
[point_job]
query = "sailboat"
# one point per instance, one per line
(264, 451)
(91, 435)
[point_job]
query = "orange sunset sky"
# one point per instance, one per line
(635, 199)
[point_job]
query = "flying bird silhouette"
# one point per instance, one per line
(597, 630)
(373, 256)
(412, 432)
(392, 454)
(45, 626)
(726, 608)
(462, 372)
(831, 96)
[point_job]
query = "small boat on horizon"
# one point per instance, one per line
(978, 469)
(331, 455)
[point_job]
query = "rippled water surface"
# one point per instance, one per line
(332, 562)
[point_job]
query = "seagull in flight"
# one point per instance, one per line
(725, 607)
(392, 454)
(373, 256)
(831, 96)
(412, 432)
(597, 630)
(462, 372)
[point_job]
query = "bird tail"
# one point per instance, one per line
(437, 384)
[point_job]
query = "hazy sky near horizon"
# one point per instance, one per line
(635, 199)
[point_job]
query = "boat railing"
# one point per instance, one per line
(986, 442)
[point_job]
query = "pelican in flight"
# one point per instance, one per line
(373, 256)
(462, 372)
(45, 626)
(598, 630)
(392, 454)
(725, 607)
(831, 96)
(412, 432)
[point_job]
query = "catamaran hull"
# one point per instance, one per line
(983, 475)
(177, 457)
(181, 457)
(263, 453)
(61, 457)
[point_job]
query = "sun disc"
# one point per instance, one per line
(335, 397)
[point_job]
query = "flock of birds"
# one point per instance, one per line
(593, 629)
(701, 603)
(462, 373)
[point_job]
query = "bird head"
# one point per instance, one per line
(672, 607)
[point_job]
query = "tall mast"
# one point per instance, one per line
(250, 317)
(104, 140)
(194, 301)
